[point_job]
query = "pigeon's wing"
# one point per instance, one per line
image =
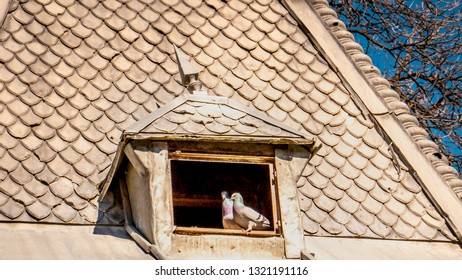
(251, 214)
(250, 219)
(240, 220)
(259, 220)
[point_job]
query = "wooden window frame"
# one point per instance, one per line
(229, 158)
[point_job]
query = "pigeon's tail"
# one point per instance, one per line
(263, 221)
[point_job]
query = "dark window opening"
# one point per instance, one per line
(197, 186)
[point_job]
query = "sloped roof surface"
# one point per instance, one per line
(75, 74)
(72, 242)
(210, 119)
(326, 248)
(211, 116)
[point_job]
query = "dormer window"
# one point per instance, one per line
(174, 177)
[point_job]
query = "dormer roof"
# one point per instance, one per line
(212, 116)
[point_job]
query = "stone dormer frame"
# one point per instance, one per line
(143, 160)
(150, 195)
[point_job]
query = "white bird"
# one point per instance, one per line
(246, 217)
(227, 212)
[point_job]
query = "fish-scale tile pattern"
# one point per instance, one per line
(75, 74)
(60, 110)
(370, 200)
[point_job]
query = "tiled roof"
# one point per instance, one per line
(75, 74)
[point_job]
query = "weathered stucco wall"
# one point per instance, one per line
(226, 247)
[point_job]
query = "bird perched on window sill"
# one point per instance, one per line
(247, 218)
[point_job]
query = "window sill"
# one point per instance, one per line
(201, 231)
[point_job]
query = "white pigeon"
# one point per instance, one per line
(227, 212)
(246, 217)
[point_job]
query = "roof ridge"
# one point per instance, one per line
(398, 107)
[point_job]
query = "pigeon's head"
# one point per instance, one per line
(224, 195)
(237, 197)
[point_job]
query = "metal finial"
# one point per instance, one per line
(189, 75)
